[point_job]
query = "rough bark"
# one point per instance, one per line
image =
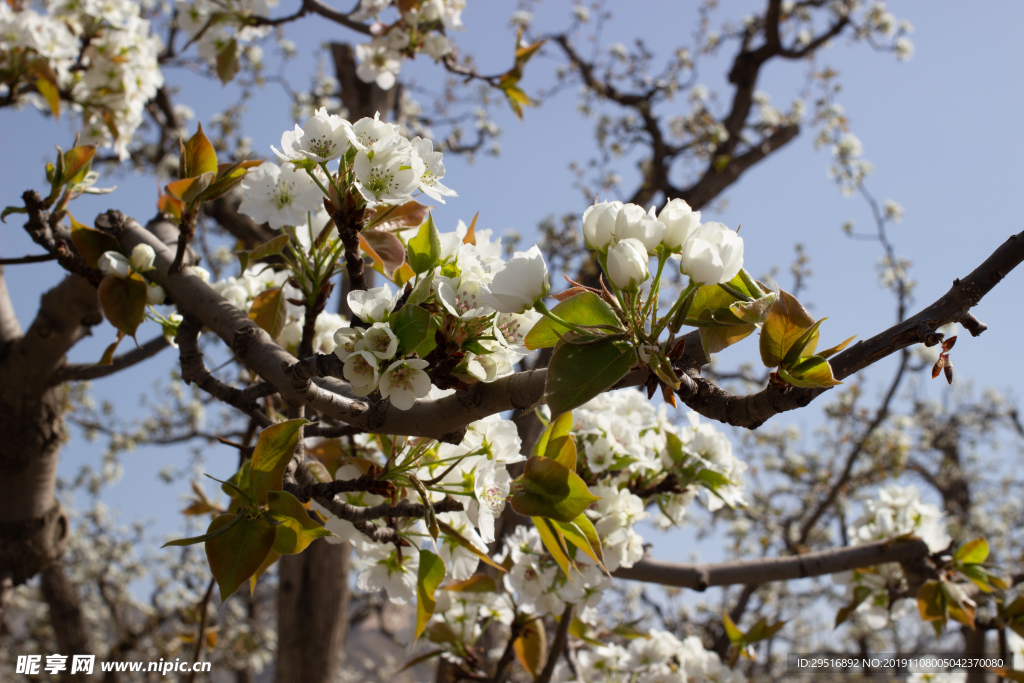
(33, 527)
(312, 610)
(65, 616)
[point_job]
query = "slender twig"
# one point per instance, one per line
(34, 258)
(558, 644)
(201, 635)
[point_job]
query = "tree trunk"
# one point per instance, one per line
(33, 527)
(312, 613)
(65, 616)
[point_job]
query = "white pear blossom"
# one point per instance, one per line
(430, 181)
(404, 381)
(378, 63)
(369, 133)
(383, 569)
(632, 222)
(627, 264)
(143, 257)
(322, 138)
(391, 175)
(372, 305)
(279, 196)
(380, 341)
(520, 284)
(464, 297)
(599, 224)
(362, 372)
(713, 254)
(346, 339)
(491, 486)
(114, 263)
(436, 45)
(680, 223)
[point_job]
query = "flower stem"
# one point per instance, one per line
(685, 299)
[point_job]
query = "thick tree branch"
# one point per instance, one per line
(755, 572)
(10, 328)
(80, 372)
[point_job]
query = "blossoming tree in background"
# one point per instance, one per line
(479, 441)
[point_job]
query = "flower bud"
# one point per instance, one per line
(114, 263)
(713, 254)
(599, 224)
(155, 294)
(633, 223)
(680, 223)
(520, 284)
(143, 257)
(627, 264)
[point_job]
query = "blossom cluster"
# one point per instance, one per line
(420, 28)
(101, 53)
(897, 511)
(659, 658)
(628, 236)
(216, 26)
(242, 290)
(475, 468)
(624, 447)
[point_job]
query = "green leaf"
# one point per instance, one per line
(585, 308)
(274, 450)
(48, 89)
(715, 339)
(421, 292)
(733, 632)
(806, 342)
(577, 374)
(531, 647)
(220, 529)
(428, 578)
(836, 349)
(271, 247)
(297, 529)
(78, 163)
(239, 552)
(810, 372)
(713, 479)
(974, 552)
(198, 157)
(467, 544)
(123, 301)
(188, 190)
(560, 426)
(548, 489)
(563, 451)
(269, 311)
(978, 576)
(90, 243)
(674, 446)
(478, 583)
(425, 247)
(860, 594)
(573, 533)
(227, 62)
(553, 540)
(931, 602)
(11, 209)
(786, 322)
(410, 324)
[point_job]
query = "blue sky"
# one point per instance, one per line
(941, 129)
